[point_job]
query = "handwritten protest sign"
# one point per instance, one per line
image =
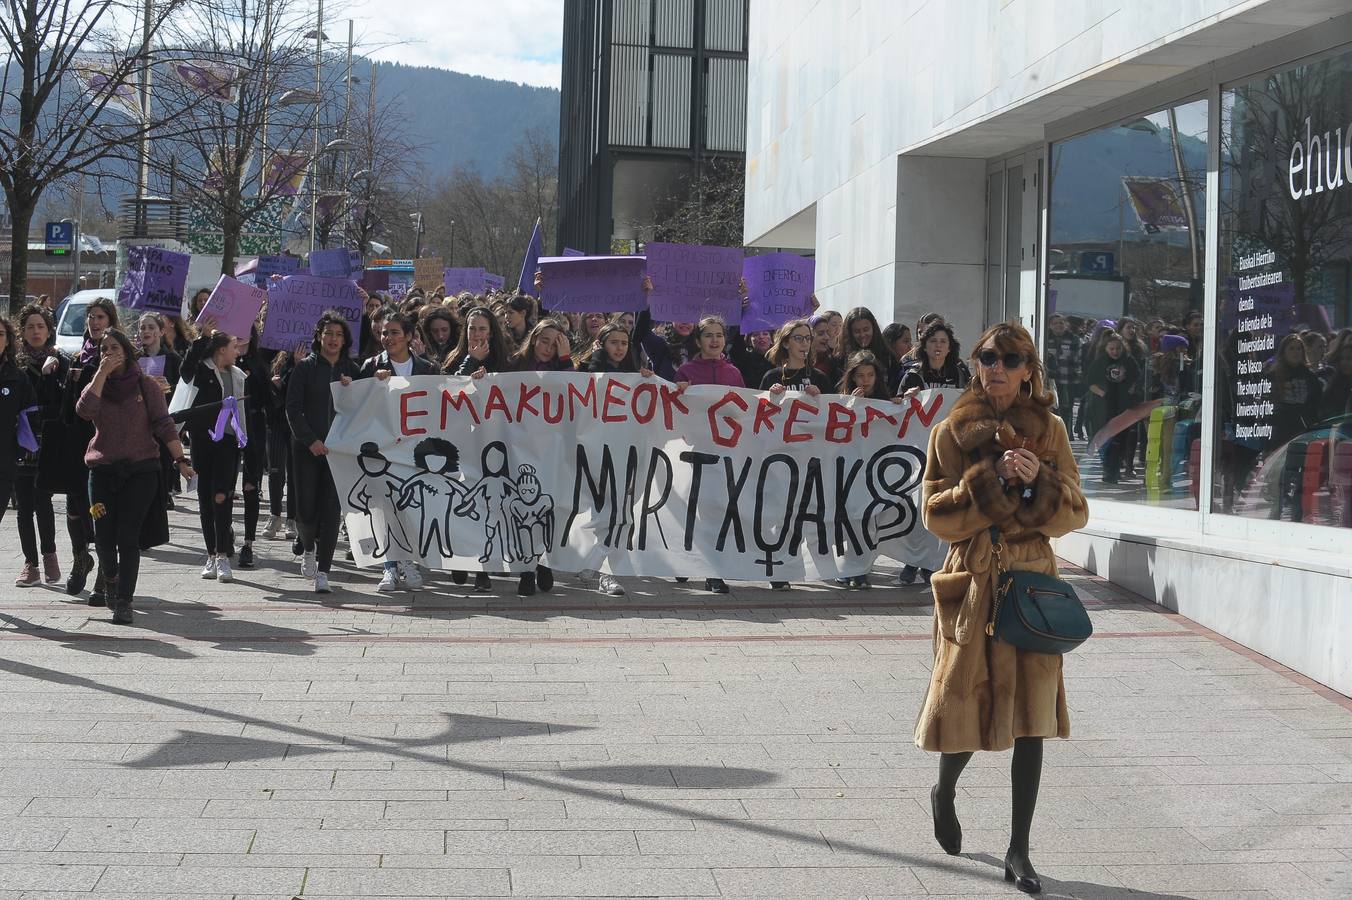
(151, 365)
(336, 263)
(692, 281)
(592, 283)
(493, 282)
(457, 280)
(275, 265)
(427, 273)
(295, 304)
(569, 251)
(155, 280)
(780, 289)
(234, 305)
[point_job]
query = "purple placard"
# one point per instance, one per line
(161, 276)
(373, 280)
(459, 280)
(779, 286)
(275, 265)
(151, 365)
(691, 281)
(335, 263)
(295, 304)
(234, 305)
(569, 251)
(494, 282)
(586, 284)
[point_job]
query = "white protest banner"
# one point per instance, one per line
(629, 475)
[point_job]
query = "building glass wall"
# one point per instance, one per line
(1125, 293)
(1283, 448)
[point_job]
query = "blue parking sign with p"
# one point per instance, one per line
(60, 234)
(1097, 262)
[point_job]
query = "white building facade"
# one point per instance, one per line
(1176, 173)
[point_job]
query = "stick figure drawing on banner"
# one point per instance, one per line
(436, 495)
(532, 517)
(374, 494)
(496, 488)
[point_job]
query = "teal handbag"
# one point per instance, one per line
(1035, 612)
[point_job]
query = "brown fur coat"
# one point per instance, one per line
(985, 693)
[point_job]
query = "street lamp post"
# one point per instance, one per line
(314, 159)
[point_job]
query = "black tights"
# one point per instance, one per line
(35, 509)
(1025, 775)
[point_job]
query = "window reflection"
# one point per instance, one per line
(1125, 330)
(1284, 418)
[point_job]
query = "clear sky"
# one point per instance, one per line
(514, 40)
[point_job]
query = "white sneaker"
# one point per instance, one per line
(322, 583)
(209, 570)
(308, 567)
(410, 575)
(223, 573)
(275, 528)
(290, 530)
(611, 586)
(389, 582)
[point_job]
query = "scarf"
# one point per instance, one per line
(34, 356)
(89, 352)
(122, 385)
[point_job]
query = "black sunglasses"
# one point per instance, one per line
(989, 358)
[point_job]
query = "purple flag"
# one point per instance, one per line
(295, 304)
(234, 305)
(691, 281)
(336, 263)
(457, 280)
(155, 280)
(599, 284)
(24, 430)
(525, 283)
(780, 289)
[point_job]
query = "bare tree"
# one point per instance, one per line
(381, 173)
(708, 207)
(53, 128)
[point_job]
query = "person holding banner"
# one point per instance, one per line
(860, 331)
(897, 337)
(789, 354)
(482, 347)
(45, 368)
(519, 317)
(309, 412)
(161, 363)
(1000, 479)
(211, 393)
(439, 332)
(64, 468)
(281, 479)
(127, 412)
(545, 349)
(824, 358)
(259, 401)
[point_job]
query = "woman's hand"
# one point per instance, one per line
(900, 400)
(318, 449)
(816, 304)
(1018, 465)
(647, 283)
(478, 350)
(418, 347)
(479, 373)
(776, 389)
(812, 390)
(107, 366)
(50, 365)
(539, 280)
(185, 469)
(277, 382)
(646, 372)
(163, 383)
(681, 387)
(383, 374)
(207, 326)
(858, 392)
(302, 350)
(910, 392)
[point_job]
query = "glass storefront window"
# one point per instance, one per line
(1284, 361)
(1124, 328)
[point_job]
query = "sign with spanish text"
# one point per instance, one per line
(457, 281)
(629, 475)
(155, 280)
(234, 306)
(586, 284)
(428, 273)
(691, 281)
(295, 304)
(335, 263)
(494, 282)
(779, 288)
(275, 265)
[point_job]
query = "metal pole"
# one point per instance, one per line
(314, 158)
(143, 173)
(79, 229)
(1186, 197)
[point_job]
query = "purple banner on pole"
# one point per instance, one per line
(155, 280)
(780, 289)
(275, 265)
(459, 280)
(335, 263)
(692, 281)
(600, 284)
(234, 305)
(295, 304)
(493, 282)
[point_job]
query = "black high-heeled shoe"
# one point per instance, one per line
(947, 828)
(1026, 879)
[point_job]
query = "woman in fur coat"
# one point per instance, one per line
(1002, 459)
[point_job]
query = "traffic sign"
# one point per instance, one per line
(60, 238)
(1098, 262)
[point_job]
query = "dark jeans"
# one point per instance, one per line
(279, 474)
(6, 491)
(34, 504)
(317, 514)
(126, 499)
(79, 525)
(255, 463)
(217, 466)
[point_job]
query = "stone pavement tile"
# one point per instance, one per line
(152, 839)
(433, 824)
(552, 863)
(710, 840)
(59, 807)
(1279, 878)
(335, 841)
(402, 780)
(618, 882)
(87, 858)
(409, 882)
(542, 843)
(501, 808)
(34, 877)
(651, 823)
(187, 880)
(722, 810)
(1264, 837)
(290, 809)
(817, 882)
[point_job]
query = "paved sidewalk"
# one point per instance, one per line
(257, 740)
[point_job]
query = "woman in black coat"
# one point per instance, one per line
(46, 368)
(16, 401)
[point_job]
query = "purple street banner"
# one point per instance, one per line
(275, 265)
(592, 284)
(457, 281)
(234, 305)
(494, 282)
(373, 280)
(284, 174)
(335, 263)
(214, 80)
(569, 251)
(779, 286)
(151, 365)
(295, 304)
(155, 280)
(691, 281)
(1156, 203)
